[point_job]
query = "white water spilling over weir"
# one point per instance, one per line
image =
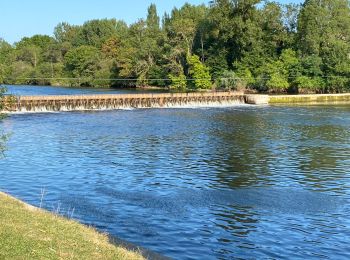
(128, 101)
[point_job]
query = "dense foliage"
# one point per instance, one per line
(237, 44)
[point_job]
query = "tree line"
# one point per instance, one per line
(227, 44)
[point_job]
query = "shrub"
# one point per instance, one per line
(178, 82)
(199, 73)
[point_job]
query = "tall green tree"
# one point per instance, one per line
(324, 31)
(96, 32)
(6, 52)
(199, 73)
(82, 63)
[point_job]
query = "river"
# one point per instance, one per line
(49, 90)
(211, 183)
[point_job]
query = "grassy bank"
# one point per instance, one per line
(30, 233)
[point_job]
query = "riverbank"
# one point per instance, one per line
(29, 232)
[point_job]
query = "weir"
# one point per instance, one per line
(125, 101)
(310, 99)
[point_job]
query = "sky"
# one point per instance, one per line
(21, 18)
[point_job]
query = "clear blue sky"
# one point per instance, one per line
(19, 18)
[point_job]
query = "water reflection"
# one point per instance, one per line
(25, 90)
(242, 152)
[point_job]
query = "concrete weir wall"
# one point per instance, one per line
(312, 99)
(124, 101)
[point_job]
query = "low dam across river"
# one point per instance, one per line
(166, 100)
(125, 101)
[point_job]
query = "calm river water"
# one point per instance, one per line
(48, 90)
(218, 183)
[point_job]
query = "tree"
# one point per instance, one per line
(275, 34)
(181, 30)
(324, 31)
(281, 73)
(5, 60)
(81, 63)
(239, 80)
(308, 84)
(310, 79)
(182, 26)
(178, 82)
(5, 52)
(30, 54)
(277, 82)
(199, 73)
(95, 32)
(40, 41)
(64, 32)
(227, 81)
(20, 71)
(147, 38)
(153, 20)
(238, 26)
(2, 73)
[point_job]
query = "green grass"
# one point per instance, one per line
(30, 233)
